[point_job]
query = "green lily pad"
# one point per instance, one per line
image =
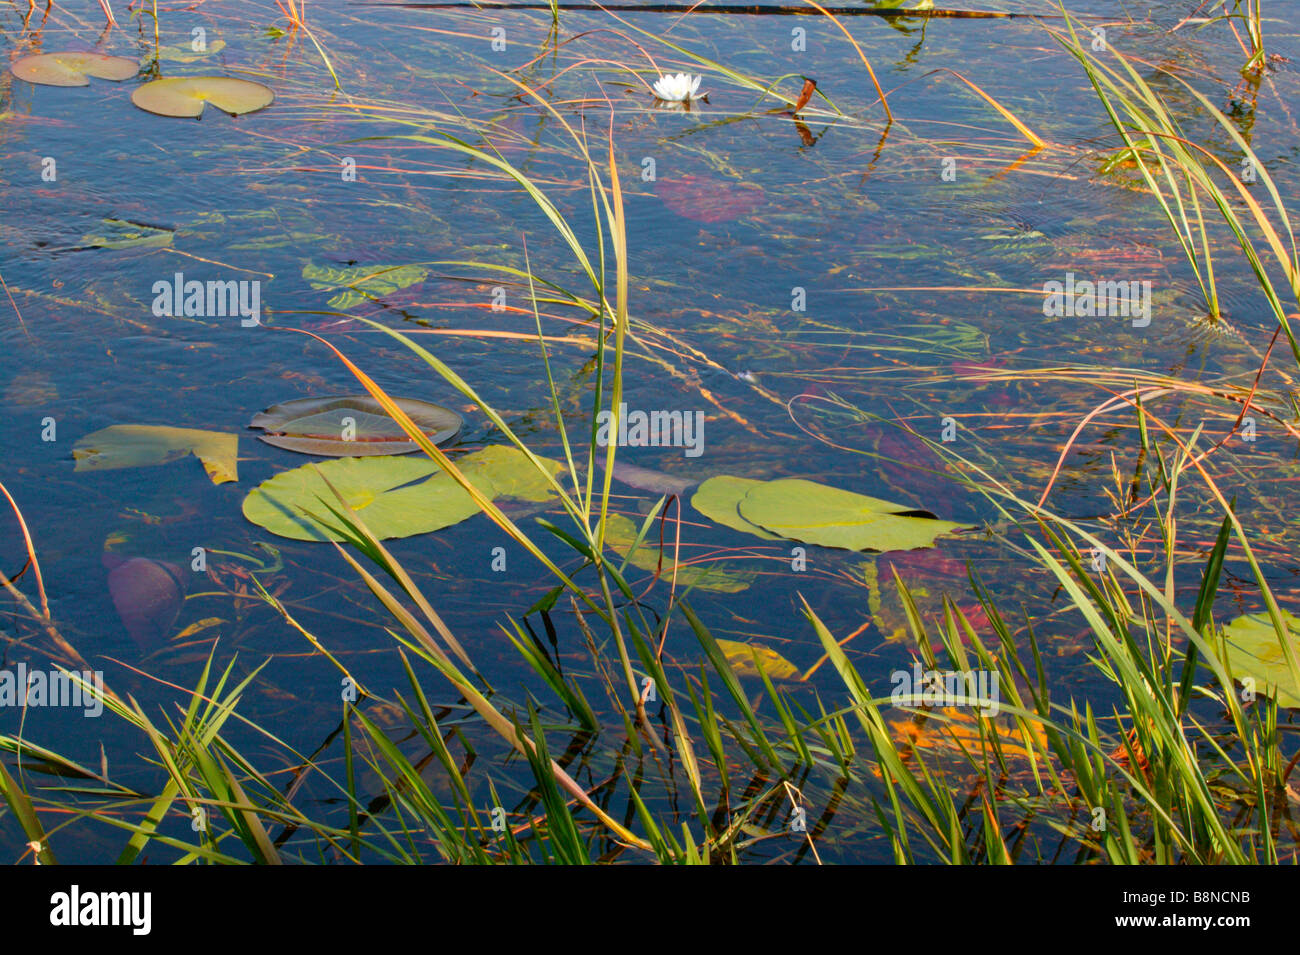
(187, 95)
(320, 426)
(363, 283)
(620, 534)
(72, 68)
(141, 445)
(394, 496)
(504, 471)
(1254, 649)
(718, 499)
(831, 517)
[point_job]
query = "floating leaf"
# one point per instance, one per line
(141, 445)
(718, 499)
(187, 95)
(187, 53)
(72, 68)
(831, 517)
(620, 534)
(502, 471)
(704, 199)
(1254, 649)
(363, 282)
(319, 426)
(383, 491)
(741, 657)
(394, 496)
(123, 234)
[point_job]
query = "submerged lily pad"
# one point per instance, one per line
(352, 426)
(141, 445)
(708, 200)
(187, 53)
(147, 595)
(1255, 650)
(187, 95)
(124, 234)
(718, 499)
(831, 517)
(741, 657)
(31, 388)
(363, 283)
(956, 732)
(620, 534)
(394, 496)
(72, 68)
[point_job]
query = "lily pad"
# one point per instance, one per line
(147, 595)
(187, 95)
(741, 657)
(142, 445)
(831, 517)
(363, 283)
(352, 426)
(706, 199)
(187, 54)
(124, 234)
(958, 732)
(72, 68)
(1255, 650)
(718, 499)
(503, 471)
(394, 496)
(620, 534)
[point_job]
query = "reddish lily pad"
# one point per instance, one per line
(147, 595)
(353, 426)
(187, 95)
(72, 68)
(705, 199)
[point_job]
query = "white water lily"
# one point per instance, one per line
(678, 88)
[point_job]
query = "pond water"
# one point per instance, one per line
(804, 285)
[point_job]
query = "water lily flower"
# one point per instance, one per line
(678, 88)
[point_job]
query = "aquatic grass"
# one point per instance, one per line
(1134, 619)
(920, 814)
(295, 13)
(1183, 176)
